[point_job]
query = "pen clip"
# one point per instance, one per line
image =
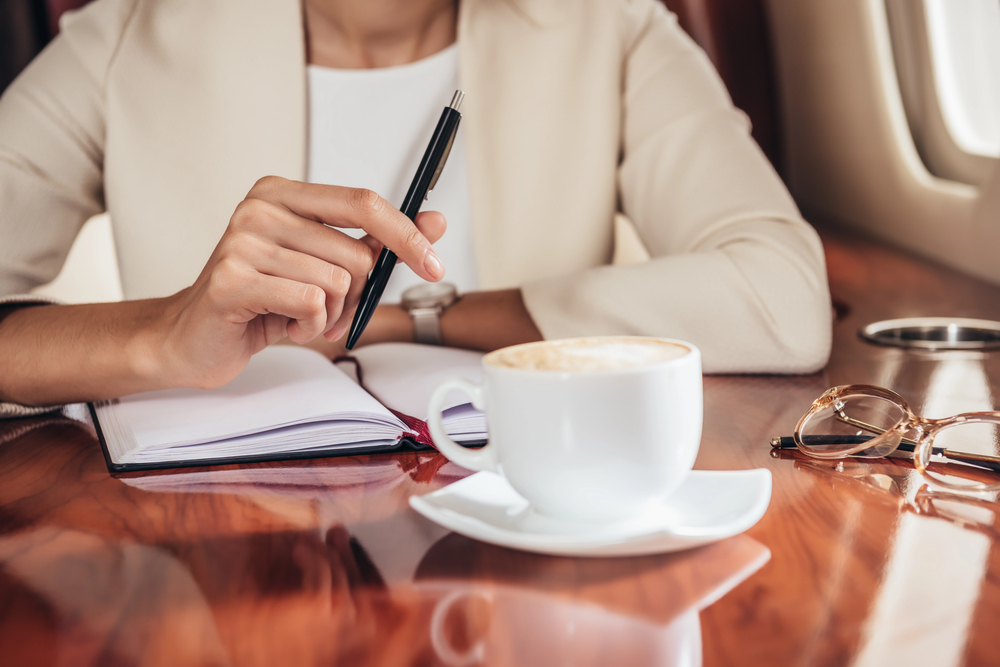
(444, 158)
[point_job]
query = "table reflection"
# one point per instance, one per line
(297, 598)
(937, 556)
(315, 563)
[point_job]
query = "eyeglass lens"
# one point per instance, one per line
(970, 437)
(850, 421)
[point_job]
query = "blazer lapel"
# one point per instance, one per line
(542, 114)
(207, 97)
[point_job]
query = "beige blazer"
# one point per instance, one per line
(165, 112)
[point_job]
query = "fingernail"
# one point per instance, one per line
(433, 265)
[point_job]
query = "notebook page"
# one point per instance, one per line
(404, 375)
(282, 385)
(312, 437)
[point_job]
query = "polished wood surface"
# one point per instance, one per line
(322, 562)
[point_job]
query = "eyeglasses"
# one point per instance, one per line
(867, 421)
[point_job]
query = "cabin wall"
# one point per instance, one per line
(849, 156)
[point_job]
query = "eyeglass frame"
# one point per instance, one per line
(925, 428)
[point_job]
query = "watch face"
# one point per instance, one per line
(429, 295)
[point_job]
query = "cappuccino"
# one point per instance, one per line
(591, 429)
(587, 354)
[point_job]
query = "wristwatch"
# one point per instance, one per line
(425, 303)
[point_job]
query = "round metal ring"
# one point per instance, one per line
(935, 333)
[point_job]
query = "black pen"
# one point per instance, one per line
(426, 177)
(904, 450)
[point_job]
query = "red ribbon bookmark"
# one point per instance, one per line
(418, 432)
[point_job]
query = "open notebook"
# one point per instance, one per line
(291, 402)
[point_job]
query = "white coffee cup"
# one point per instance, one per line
(587, 429)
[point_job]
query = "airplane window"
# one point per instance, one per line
(964, 38)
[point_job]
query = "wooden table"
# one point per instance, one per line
(322, 562)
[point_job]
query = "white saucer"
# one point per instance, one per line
(709, 505)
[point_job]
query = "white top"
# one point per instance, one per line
(369, 128)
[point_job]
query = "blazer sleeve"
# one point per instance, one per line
(52, 154)
(52, 120)
(734, 268)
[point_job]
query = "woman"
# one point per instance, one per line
(166, 112)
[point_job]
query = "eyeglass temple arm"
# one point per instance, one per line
(869, 427)
(982, 460)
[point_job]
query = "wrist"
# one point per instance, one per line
(148, 348)
(389, 324)
(489, 320)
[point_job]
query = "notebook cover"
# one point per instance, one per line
(403, 444)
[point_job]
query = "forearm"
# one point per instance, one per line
(488, 321)
(759, 305)
(479, 321)
(51, 355)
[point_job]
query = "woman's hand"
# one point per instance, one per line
(277, 271)
(280, 270)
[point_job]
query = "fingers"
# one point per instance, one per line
(277, 271)
(341, 289)
(432, 225)
(356, 208)
(267, 220)
(277, 225)
(275, 328)
(275, 233)
(244, 293)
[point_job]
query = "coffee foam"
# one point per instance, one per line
(587, 354)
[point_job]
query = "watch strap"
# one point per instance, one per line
(426, 325)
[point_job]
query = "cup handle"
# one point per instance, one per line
(439, 640)
(473, 459)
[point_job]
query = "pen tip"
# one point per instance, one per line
(352, 339)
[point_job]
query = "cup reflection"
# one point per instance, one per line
(507, 626)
